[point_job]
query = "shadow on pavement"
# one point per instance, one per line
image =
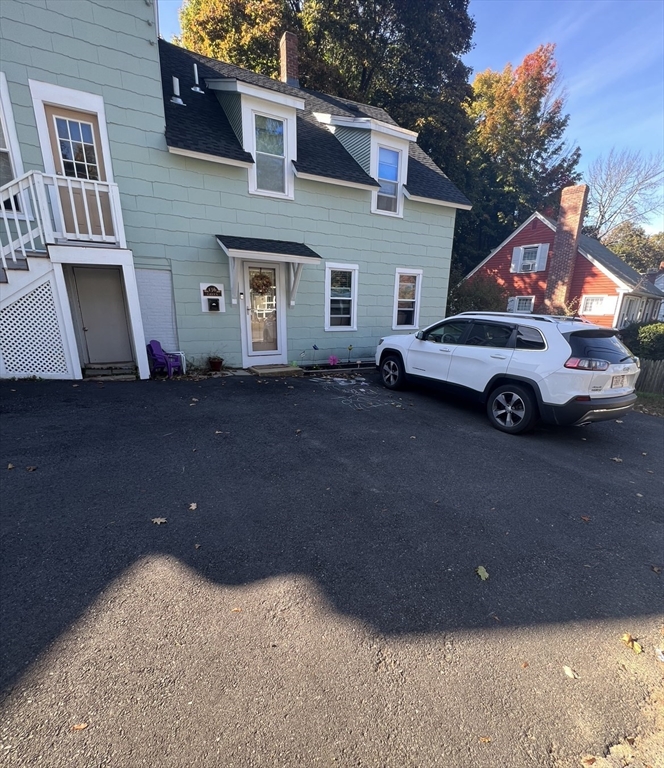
(389, 500)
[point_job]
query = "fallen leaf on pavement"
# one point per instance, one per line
(659, 654)
(197, 546)
(630, 740)
(297, 431)
(570, 673)
(618, 421)
(617, 460)
(485, 740)
(640, 495)
(525, 665)
(482, 572)
(588, 760)
(159, 520)
(10, 466)
(236, 610)
(79, 727)
(630, 642)
(644, 453)
(193, 506)
(656, 568)
(412, 437)
(585, 518)
(194, 399)
(31, 469)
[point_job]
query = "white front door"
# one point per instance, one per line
(263, 311)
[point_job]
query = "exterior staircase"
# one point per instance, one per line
(110, 372)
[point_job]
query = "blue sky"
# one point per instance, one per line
(610, 54)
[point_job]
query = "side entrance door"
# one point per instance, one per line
(102, 314)
(263, 308)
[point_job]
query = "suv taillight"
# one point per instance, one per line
(587, 364)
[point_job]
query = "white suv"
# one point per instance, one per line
(524, 367)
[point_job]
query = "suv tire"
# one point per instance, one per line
(511, 408)
(392, 372)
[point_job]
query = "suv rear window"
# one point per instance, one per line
(599, 345)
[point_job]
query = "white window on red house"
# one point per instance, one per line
(529, 258)
(520, 304)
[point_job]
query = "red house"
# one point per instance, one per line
(550, 267)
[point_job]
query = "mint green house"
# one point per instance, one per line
(148, 192)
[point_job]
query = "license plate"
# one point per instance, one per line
(618, 381)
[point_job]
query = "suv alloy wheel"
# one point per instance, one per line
(512, 409)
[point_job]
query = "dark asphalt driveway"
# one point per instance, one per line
(353, 520)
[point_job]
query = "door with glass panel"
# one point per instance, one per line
(84, 199)
(265, 326)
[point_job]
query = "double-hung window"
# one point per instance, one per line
(594, 305)
(388, 178)
(341, 297)
(407, 298)
(270, 154)
(521, 304)
(529, 258)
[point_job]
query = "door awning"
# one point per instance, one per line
(296, 255)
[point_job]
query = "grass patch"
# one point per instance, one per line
(650, 404)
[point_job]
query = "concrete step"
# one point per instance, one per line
(110, 371)
(276, 370)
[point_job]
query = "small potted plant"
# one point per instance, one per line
(215, 362)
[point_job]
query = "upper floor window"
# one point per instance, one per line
(270, 155)
(76, 146)
(388, 178)
(529, 258)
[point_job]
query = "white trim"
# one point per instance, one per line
(366, 123)
(535, 215)
(418, 291)
(80, 101)
(355, 270)
(605, 308)
(394, 145)
(210, 158)
(516, 309)
(252, 107)
(337, 182)
(432, 201)
(254, 91)
(110, 257)
(9, 128)
(272, 357)
(259, 255)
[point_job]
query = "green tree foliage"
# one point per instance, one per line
(645, 340)
(401, 55)
(519, 159)
(634, 246)
(478, 294)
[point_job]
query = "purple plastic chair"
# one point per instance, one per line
(163, 361)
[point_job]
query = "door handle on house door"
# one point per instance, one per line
(499, 357)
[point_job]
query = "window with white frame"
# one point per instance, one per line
(76, 145)
(529, 258)
(270, 154)
(407, 287)
(598, 305)
(11, 166)
(521, 304)
(388, 178)
(341, 297)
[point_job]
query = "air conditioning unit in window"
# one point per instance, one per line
(529, 266)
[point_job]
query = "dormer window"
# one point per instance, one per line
(388, 178)
(529, 258)
(270, 154)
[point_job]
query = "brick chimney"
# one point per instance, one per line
(561, 260)
(288, 56)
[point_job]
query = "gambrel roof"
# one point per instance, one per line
(203, 127)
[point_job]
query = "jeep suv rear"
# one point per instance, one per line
(523, 367)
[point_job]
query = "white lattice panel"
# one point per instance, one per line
(30, 337)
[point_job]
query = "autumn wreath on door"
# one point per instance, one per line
(261, 283)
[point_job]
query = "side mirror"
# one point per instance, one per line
(420, 335)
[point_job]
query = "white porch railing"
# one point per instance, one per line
(40, 209)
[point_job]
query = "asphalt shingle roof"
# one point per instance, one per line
(202, 126)
(261, 245)
(611, 261)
